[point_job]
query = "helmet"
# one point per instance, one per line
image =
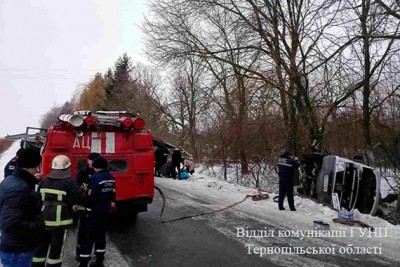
(60, 162)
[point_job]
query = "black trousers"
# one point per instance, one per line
(158, 165)
(176, 170)
(93, 233)
(286, 189)
(79, 236)
(55, 240)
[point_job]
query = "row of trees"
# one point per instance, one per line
(243, 80)
(276, 74)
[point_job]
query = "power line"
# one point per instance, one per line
(49, 69)
(44, 77)
(52, 73)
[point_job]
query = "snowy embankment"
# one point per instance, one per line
(202, 193)
(7, 156)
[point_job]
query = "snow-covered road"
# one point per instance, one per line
(202, 193)
(284, 247)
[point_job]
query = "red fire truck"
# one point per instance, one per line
(121, 138)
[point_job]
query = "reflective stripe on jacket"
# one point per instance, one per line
(58, 196)
(286, 168)
(102, 188)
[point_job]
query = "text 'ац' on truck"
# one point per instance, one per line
(121, 138)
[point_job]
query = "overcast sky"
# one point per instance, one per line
(48, 48)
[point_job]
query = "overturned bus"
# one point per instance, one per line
(356, 185)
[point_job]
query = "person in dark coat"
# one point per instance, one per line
(100, 202)
(83, 179)
(84, 174)
(60, 193)
(166, 169)
(21, 220)
(161, 155)
(176, 162)
(11, 165)
(286, 170)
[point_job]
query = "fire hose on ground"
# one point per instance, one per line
(255, 197)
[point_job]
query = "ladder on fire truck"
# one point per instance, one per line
(124, 119)
(29, 139)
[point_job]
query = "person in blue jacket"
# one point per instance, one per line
(83, 179)
(21, 222)
(286, 169)
(100, 203)
(11, 165)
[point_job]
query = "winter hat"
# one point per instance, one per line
(286, 154)
(29, 158)
(99, 163)
(19, 151)
(93, 155)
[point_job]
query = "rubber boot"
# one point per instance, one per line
(83, 262)
(99, 261)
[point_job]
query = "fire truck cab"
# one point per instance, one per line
(119, 137)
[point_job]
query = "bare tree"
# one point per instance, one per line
(147, 83)
(287, 41)
(315, 61)
(371, 58)
(393, 9)
(50, 117)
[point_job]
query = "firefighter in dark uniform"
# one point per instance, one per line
(100, 202)
(84, 174)
(83, 179)
(11, 165)
(59, 193)
(176, 162)
(286, 169)
(160, 155)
